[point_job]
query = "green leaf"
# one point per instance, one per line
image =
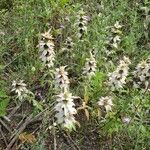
(4, 100)
(63, 2)
(97, 84)
(37, 105)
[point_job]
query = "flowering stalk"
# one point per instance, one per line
(105, 102)
(90, 66)
(68, 45)
(61, 78)
(65, 109)
(46, 48)
(115, 39)
(146, 12)
(19, 87)
(117, 79)
(89, 71)
(142, 75)
(81, 23)
(116, 32)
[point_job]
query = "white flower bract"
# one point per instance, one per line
(65, 109)
(46, 48)
(117, 79)
(81, 24)
(106, 102)
(90, 66)
(61, 78)
(114, 38)
(19, 87)
(68, 45)
(126, 119)
(142, 75)
(117, 25)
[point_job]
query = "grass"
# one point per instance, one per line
(22, 22)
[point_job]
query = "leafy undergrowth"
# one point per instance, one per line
(74, 75)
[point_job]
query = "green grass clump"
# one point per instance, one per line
(21, 25)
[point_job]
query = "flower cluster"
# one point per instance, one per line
(61, 78)
(68, 45)
(146, 11)
(126, 119)
(19, 87)
(117, 79)
(82, 21)
(65, 105)
(114, 39)
(105, 102)
(46, 47)
(90, 66)
(65, 109)
(142, 75)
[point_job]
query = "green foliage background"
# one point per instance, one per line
(22, 22)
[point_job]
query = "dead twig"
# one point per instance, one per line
(5, 125)
(6, 118)
(4, 138)
(14, 111)
(27, 121)
(15, 131)
(70, 141)
(77, 147)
